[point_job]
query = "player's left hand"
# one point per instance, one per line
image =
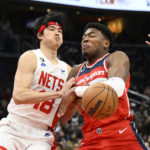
(67, 100)
(69, 84)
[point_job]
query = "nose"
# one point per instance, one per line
(57, 32)
(85, 39)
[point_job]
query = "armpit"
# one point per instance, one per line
(74, 71)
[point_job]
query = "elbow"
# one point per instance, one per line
(17, 99)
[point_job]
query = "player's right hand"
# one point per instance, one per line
(147, 42)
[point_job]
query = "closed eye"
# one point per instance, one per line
(51, 28)
(92, 35)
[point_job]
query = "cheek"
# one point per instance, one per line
(61, 41)
(61, 36)
(97, 44)
(48, 36)
(94, 45)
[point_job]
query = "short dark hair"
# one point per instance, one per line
(104, 30)
(52, 16)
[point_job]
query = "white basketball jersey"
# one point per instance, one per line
(47, 77)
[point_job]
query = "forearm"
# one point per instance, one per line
(67, 116)
(76, 106)
(27, 96)
(67, 103)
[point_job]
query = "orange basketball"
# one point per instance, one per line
(99, 101)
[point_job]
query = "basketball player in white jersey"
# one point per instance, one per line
(38, 88)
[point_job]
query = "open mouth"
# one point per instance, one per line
(84, 46)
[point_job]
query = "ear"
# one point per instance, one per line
(106, 44)
(39, 36)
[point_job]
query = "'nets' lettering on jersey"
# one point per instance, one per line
(46, 78)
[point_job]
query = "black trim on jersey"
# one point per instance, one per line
(141, 142)
(86, 69)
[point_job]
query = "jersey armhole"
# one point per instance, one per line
(79, 70)
(105, 65)
(37, 61)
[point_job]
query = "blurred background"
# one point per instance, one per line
(128, 20)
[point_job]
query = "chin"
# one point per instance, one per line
(58, 45)
(85, 54)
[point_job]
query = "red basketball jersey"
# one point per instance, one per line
(97, 72)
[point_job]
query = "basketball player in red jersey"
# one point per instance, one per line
(38, 88)
(116, 132)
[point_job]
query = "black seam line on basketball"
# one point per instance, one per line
(103, 87)
(98, 87)
(103, 104)
(93, 98)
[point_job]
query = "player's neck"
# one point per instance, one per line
(50, 54)
(92, 59)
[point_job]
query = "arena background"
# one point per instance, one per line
(130, 30)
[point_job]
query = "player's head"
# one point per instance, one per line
(49, 28)
(97, 40)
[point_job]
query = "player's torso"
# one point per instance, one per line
(46, 78)
(97, 72)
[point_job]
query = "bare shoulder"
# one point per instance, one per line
(118, 54)
(74, 71)
(27, 55)
(27, 59)
(117, 57)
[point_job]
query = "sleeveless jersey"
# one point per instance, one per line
(97, 72)
(47, 77)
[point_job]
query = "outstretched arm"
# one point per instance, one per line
(22, 93)
(69, 100)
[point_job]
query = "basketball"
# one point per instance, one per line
(100, 101)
